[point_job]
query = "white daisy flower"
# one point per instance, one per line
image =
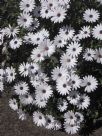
(73, 97)
(100, 1)
(71, 71)
(27, 6)
(3, 32)
(62, 105)
(21, 114)
(79, 117)
(83, 102)
(77, 38)
(90, 83)
(45, 33)
(11, 31)
(97, 32)
(75, 81)
(57, 125)
(59, 73)
(37, 79)
(38, 38)
(45, 12)
(85, 32)
(10, 74)
(50, 122)
(44, 91)
(59, 41)
(89, 54)
(47, 47)
(43, 77)
(67, 61)
(26, 99)
(35, 76)
(21, 88)
(34, 82)
(67, 32)
(98, 55)
(50, 4)
(71, 129)
(24, 20)
(1, 86)
(13, 104)
(63, 2)
(59, 14)
(74, 49)
(23, 69)
(41, 103)
(70, 118)
(28, 39)
(37, 55)
(39, 118)
(63, 86)
(33, 68)
(15, 43)
(91, 15)
(34, 25)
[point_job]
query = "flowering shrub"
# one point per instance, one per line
(51, 58)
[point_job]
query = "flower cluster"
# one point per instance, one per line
(7, 75)
(50, 83)
(55, 10)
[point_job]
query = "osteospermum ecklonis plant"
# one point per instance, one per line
(49, 61)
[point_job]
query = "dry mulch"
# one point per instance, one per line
(10, 125)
